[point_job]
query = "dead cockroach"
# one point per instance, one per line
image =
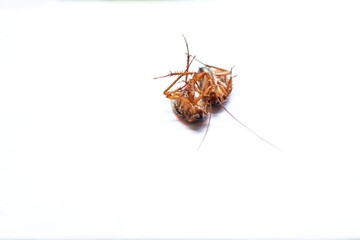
(188, 99)
(194, 99)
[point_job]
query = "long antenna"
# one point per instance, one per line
(250, 129)
(207, 129)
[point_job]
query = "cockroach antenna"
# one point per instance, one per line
(251, 131)
(207, 129)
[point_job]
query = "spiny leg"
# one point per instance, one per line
(176, 80)
(188, 62)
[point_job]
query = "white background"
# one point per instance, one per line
(89, 145)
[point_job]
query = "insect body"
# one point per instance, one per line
(189, 104)
(189, 100)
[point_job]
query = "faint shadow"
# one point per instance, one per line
(196, 126)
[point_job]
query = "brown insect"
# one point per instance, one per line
(192, 100)
(200, 91)
(185, 99)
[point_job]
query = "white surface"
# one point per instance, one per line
(89, 146)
